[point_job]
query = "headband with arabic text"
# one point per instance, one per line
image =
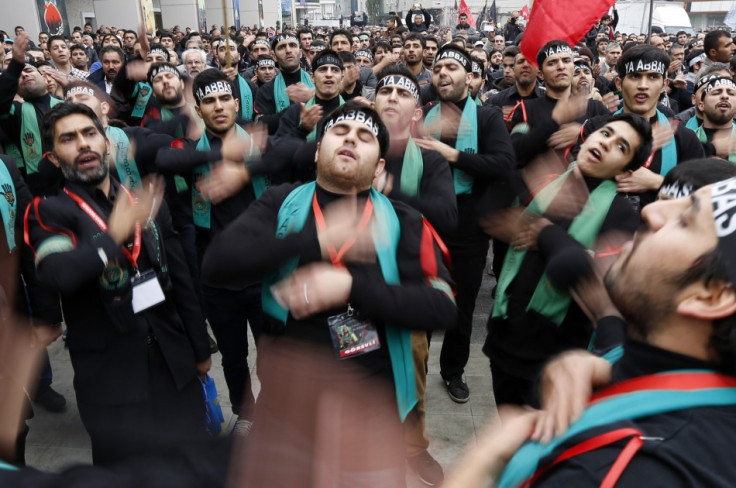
(162, 68)
(723, 198)
(262, 41)
(326, 57)
(449, 51)
(559, 48)
(401, 81)
(717, 82)
(214, 87)
(265, 61)
(641, 66)
(364, 53)
(158, 50)
(80, 89)
(477, 69)
(356, 115)
(283, 37)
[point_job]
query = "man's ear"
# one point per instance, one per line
(316, 153)
(708, 301)
(52, 157)
(617, 81)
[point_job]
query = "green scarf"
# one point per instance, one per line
(703, 137)
(246, 99)
(467, 141)
(411, 169)
(125, 164)
(30, 135)
(13, 151)
(143, 92)
(478, 101)
(693, 123)
(9, 205)
(201, 207)
(279, 90)
(291, 218)
(546, 299)
(313, 134)
(669, 152)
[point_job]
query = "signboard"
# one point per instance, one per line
(52, 15)
(148, 18)
(236, 13)
(202, 15)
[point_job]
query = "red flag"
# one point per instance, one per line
(563, 20)
(524, 12)
(465, 10)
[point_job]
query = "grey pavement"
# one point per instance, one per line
(58, 440)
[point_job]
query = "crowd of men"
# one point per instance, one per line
(339, 191)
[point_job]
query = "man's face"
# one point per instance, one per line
(351, 74)
(259, 50)
(476, 83)
(363, 61)
(525, 73)
(641, 91)
(508, 70)
(356, 44)
(675, 234)
(397, 107)
(156, 58)
(390, 23)
(641, 38)
(194, 65)
(266, 73)
(398, 51)
(59, 52)
(418, 19)
(287, 55)
(726, 49)
(129, 40)
(719, 105)
(80, 150)
(88, 29)
(167, 42)
(450, 80)
(601, 35)
(168, 88)
(77, 37)
(607, 151)
(79, 59)
(499, 43)
(222, 50)
(43, 38)
(463, 19)
(305, 41)
(218, 111)
(657, 42)
(395, 41)
(36, 55)
(87, 41)
(682, 39)
(340, 44)
(582, 80)
(557, 71)
(496, 59)
(602, 48)
(613, 56)
(348, 157)
(327, 81)
(413, 52)
(365, 42)
(32, 83)
(430, 51)
(677, 54)
(206, 45)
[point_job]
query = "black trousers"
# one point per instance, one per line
(467, 271)
(509, 388)
(168, 419)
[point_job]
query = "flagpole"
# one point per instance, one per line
(651, 12)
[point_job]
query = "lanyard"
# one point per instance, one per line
(335, 255)
(132, 257)
(520, 103)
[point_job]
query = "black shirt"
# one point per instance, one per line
(265, 103)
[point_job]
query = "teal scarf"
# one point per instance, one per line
(669, 152)
(125, 164)
(703, 137)
(201, 207)
(467, 140)
(412, 169)
(142, 93)
(246, 99)
(625, 406)
(693, 123)
(279, 90)
(313, 134)
(30, 135)
(8, 206)
(547, 300)
(291, 218)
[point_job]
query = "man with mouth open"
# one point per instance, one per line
(642, 74)
(532, 320)
(718, 105)
(137, 337)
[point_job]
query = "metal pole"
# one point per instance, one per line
(651, 12)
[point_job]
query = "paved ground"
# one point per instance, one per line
(59, 440)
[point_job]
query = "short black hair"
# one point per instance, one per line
(77, 47)
(415, 37)
(430, 39)
(110, 48)
(340, 32)
(55, 38)
(129, 31)
(347, 57)
(303, 31)
(164, 33)
(60, 111)
(698, 173)
(383, 44)
(711, 40)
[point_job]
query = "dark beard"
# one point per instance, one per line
(72, 174)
